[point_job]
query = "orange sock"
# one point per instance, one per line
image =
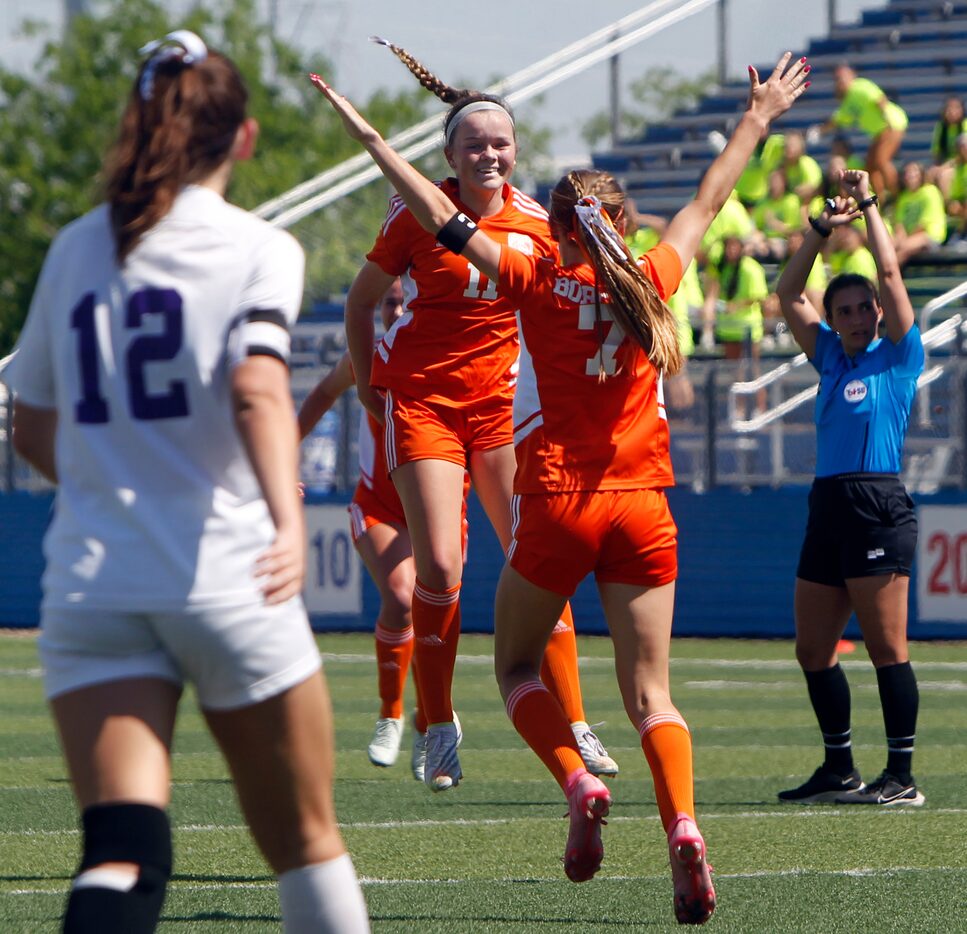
(436, 626)
(394, 649)
(419, 717)
(559, 667)
(667, 745)
(538, 717)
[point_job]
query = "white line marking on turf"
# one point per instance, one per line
(781, 811)
(861, 872)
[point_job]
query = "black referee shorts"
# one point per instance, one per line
(859, 525)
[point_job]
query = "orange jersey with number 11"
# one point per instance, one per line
(456, 342)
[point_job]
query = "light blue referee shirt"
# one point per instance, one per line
(864, 402)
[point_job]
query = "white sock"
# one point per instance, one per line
(323, 898)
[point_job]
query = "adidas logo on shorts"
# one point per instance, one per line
(875, 553)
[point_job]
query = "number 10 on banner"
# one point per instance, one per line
(333, 581)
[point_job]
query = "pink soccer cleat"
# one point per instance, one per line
(588, 801)
(691, 873)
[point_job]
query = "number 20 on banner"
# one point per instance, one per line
(942, 563)
(333, 582)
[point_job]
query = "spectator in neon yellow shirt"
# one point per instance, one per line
(752, 185)
(775, 217)
(864, 105)
(732, 221)
(816, 283)
(803, 174)
(642, 232)
(735, 287)
(943, 146)
(957, 197)
(849, 253)
(919, 215)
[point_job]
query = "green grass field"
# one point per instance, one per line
(486, 857)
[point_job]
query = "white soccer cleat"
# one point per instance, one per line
(385, 745)
(442, 769)
(595, 756)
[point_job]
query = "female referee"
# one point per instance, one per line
(152, 387)
(861, 534)
(592, 452)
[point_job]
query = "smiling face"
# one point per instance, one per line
(482, 153)
(854, 314)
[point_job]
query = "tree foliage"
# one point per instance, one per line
(656, 95)
(57, 123)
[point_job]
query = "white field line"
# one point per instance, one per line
(761, 664)
(822, 811)
(856, 872)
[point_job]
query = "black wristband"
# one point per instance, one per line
(824, 232)
(868, 202)
(455, 233)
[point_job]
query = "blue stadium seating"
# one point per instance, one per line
(916, 50)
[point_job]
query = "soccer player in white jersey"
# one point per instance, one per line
(152, 387)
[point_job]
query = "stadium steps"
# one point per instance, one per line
(915, 49)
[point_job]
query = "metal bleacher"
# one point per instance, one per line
(916, 50)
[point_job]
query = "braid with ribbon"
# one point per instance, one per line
(588, 202)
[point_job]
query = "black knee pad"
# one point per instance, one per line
(122, 833)
(127, 833)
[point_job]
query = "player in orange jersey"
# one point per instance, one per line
(443, 379)
(382, 540)
(592, 450)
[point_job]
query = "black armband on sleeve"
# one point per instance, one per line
(455, 233)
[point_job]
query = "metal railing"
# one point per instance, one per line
(345, 178)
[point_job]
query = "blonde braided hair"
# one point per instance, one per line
(458, 97)
(635, 303)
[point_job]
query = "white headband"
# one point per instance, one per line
(473, 108)
(182, 43)
(599, 227)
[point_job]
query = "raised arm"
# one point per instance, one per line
(898, 315)
(801, 315)
(324, 394)
(766, 102)
(432, 209)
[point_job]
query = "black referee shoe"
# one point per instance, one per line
(823, 786)
(887, 790)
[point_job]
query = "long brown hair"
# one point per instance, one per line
(635, 303)
(458, 97)
(181, 133)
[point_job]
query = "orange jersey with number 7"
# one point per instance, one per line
(573, 430)
(456, 343)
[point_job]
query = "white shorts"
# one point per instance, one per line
(235, 656)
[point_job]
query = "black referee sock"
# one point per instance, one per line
(900, 699)
(830, 697)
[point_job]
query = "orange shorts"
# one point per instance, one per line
(379, 506)
(623, 536)
(417, 430)
(369, 508)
